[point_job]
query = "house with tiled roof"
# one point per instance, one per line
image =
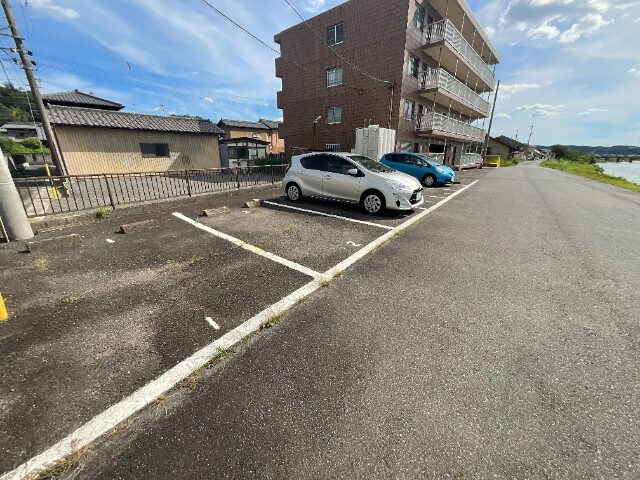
(263, 130)
(95, 136)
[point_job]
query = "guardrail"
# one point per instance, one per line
(436, 121)
(444, 30)
(43, 196)
(437, 77)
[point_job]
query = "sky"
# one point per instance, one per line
(570, 68)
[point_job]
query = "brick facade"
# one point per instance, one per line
(379, 37)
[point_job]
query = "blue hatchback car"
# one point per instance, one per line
(424, 167)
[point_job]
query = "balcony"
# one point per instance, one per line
(455, 48)
(437, 125)
(439, 85)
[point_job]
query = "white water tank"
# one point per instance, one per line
(374, 141)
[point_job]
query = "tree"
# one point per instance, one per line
(32, 143)
(560, 151)
(14, 105)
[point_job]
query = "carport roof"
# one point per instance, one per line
(90, 117)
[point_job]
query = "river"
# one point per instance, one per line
(630, 171)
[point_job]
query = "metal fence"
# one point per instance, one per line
(53, 195)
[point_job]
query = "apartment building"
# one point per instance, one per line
(420, 67)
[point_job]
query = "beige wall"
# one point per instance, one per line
(498, 148)
(245, 132)
(107, 150)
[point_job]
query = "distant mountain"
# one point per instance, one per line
(614, 150)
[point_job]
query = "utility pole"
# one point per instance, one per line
(528, 142)
(493, 110)
(35, 91)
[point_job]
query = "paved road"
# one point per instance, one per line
(497, 338)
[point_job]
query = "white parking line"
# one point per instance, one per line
(121, 411)
(432, 196)
(328, 215)
(251, 248)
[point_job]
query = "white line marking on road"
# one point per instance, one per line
(328, 215)
(121, 411)
(354, 244)
(251, 248)
(212, 323)
(432, 196)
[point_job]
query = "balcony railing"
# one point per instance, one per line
(439, 78)
(444, 30)
(437, 121)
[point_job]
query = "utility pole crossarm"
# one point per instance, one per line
(33, 85)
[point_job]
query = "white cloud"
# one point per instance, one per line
(587, 26)
(195, 73)
(509, 89)
(543, 32)
(589, 111)
(55, 10)
(563, 20)
(634, 71)
(502, 115)
(208, 99)
(545, 113)
(538, 106)
(314, 5)
(637, 20)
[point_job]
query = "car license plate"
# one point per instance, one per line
(419, 196)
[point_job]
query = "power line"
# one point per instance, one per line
(352, 65)
(149, 80)
(262, 42)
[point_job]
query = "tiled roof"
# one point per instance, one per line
(511, 142)
(91, 117)
(78, 98)
(243, 124)
(272, 124)
(21, 125)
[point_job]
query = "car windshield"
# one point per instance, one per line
(432, 159)
(369, 164)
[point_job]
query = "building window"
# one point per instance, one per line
(405, 147)
(334, 115)
(409, 108)
(335, 34)
(153, 150)
(414, 65)
(257, 135)
(333, 147)
(418, 17)
(334, 77)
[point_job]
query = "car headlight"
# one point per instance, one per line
(396, 185)
(442, 170)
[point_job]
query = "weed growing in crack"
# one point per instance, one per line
(42, 264)
(104, 212)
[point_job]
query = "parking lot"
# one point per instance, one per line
(90, 325)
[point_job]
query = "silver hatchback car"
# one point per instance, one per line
(351, 178)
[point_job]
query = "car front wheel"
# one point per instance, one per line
(429, 180)
(293, 192)
(372, 203)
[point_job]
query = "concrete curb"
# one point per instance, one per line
(138, 226)
(89, 216)
(54, 243)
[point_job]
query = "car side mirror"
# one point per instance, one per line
(353, 172)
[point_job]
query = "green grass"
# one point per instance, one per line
(590, 171)
(104, 212)
(70, 299)
(510, 163)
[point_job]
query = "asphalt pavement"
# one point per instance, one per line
(496, 338)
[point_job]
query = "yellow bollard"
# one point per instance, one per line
(3, 310)
(54, 193)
